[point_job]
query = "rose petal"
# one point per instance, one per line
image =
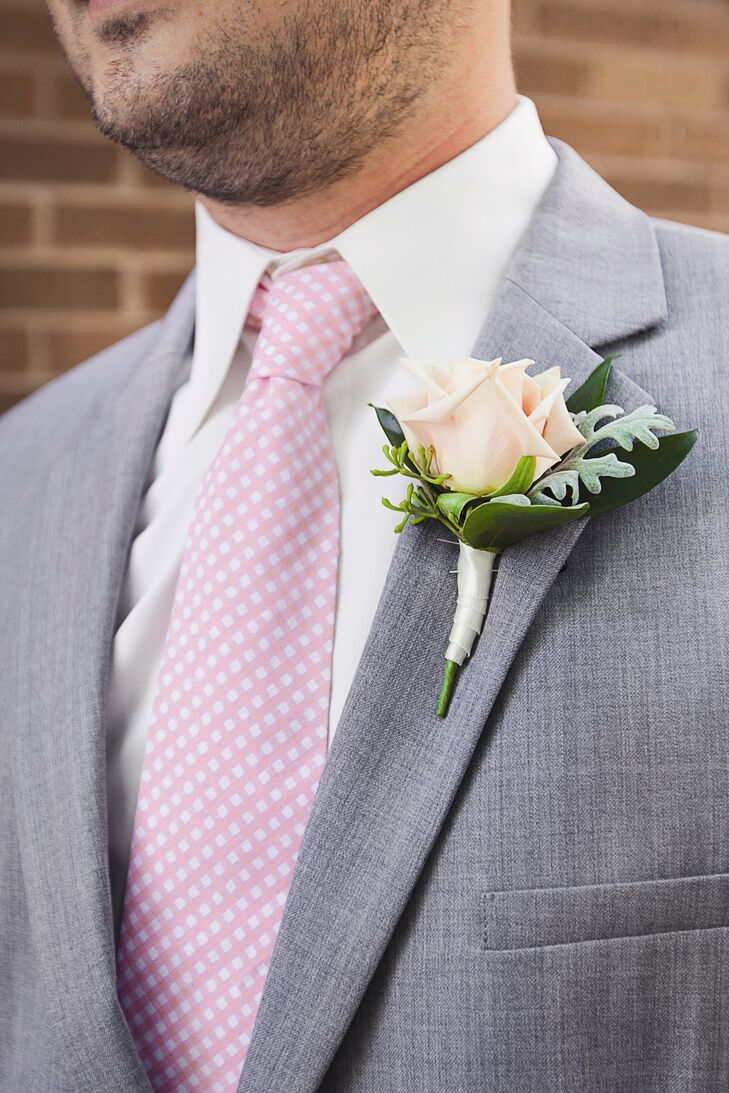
(532, 394)
(552, 417)
(435, 380)
(548, 378)
(479, 434)
(439, 412)
(465, 369)
(404, 405)
(544, 407)
(561, 432)
(542, 466)
(514, 378)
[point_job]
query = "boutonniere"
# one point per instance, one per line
(497, 455)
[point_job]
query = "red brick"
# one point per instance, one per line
(607, 131)
(67, 348)
(16, 94)
(539, 74)
(595, 128)
(27, 31)
(645, 78)
(150, 178)
(13, 389)
(44, 287)
(661, 195)
(160, 289)
(49, 160)
(16, 224)
(14, 352)
(69, 100)
(124, 226)
(679, 28)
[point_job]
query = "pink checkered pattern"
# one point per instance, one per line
(239, 722)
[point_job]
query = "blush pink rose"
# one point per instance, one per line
(481, 417)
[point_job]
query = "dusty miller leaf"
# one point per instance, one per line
(641, 424)
(577, 469)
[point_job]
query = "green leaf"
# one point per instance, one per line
(390, 425)
(592, 391)
(452, 504)
(497, 525)
(521, 478)
(515, 499)
(651, 465)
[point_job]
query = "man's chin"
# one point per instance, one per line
(137, 122)
(142, 110)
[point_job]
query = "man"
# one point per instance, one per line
(203, 601)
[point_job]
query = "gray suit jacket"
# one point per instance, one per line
(531, 896)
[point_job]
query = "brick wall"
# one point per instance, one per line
(93, 246)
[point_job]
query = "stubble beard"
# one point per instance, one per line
(260, 124)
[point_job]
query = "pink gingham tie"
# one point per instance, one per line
(239, 722)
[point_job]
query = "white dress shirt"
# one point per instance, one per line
(432, 258)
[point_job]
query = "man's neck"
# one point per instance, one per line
(453, 120)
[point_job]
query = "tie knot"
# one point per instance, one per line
(308, 320)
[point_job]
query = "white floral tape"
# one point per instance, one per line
(475, 572)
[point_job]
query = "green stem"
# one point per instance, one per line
(436, 515)
(449, 678)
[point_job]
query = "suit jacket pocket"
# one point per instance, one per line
(534, 918)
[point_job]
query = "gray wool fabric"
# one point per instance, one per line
(531, 896)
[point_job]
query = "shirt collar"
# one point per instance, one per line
(431, 257)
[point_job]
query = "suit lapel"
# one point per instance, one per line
(85, 499)
(394, 768)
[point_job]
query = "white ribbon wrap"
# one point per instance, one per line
(475, 572)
